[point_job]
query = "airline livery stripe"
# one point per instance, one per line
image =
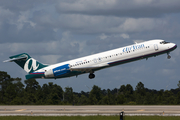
(37, 73)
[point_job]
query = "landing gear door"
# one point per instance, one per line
(155, 47)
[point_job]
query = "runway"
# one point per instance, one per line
(89, 110)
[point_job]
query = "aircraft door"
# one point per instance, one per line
(155, 47)
(95, 60)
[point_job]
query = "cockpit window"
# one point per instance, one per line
(164, 42)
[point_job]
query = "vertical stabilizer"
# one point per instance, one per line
(26, 62)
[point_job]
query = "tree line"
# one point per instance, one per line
(14, 92)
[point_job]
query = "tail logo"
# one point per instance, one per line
(31, 65)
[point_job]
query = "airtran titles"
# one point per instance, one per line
(133, 47)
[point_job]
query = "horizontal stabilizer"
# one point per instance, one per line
(13, 59)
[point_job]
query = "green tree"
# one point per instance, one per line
(178, 84)
(122, 89)
(160, 97)
(121, 99)
(95, 95)
(50, 94)
(10, 93)
(75, 99)
(168, 98)
(140, 89)
(140, 93)
(10, 88)
(31, 91)
(15, 92)
(68, 95)
(129, 89)
(129, 93)
(178, 98)
(58, 89)
(148, 99)
(19, 88)
(5, 81)
(105, 100)
(111, 101)
(56, 93)
(44, 95)
(83, 100)
(108, 99)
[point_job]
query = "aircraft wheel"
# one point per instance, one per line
(168, 56)
(91, 76)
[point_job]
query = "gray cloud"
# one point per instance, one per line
(17, 5)
(131, 8)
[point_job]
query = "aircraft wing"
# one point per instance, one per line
(89, 69)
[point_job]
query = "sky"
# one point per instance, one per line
(53, 31)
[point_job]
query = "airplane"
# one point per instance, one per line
(90, 64)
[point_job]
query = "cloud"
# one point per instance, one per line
(44, 23)
(21, 5)
(125, 36)
(53, 60)
(132, 8)
(53, 47)
(5, 15)
(103, 36)
(22, 19)
(167, 72)
(139, 25)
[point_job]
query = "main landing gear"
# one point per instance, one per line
(168, 57)
(91, 76)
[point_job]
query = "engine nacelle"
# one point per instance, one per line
(58, 71)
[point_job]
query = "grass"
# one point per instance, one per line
(89, 118)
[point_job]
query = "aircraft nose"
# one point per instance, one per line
(174, 46)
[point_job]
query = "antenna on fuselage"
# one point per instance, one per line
(135, 41)
(138, 41)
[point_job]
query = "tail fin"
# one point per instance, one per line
(26, 62)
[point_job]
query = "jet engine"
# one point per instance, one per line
(58, 71)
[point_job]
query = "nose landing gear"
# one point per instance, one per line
(91, 76)
(168, 57)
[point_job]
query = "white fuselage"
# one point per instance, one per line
(118, 56)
